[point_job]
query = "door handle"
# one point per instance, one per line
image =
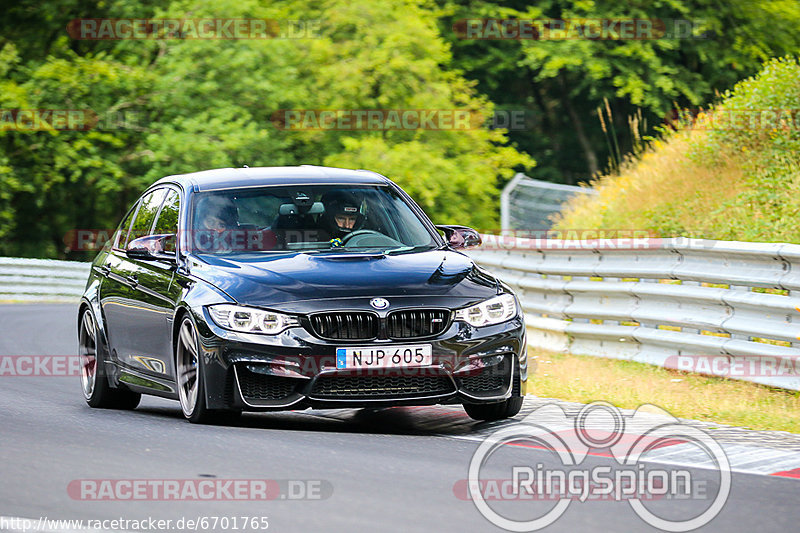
(133, 280)
(104, 271)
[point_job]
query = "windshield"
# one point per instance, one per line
(310, 219)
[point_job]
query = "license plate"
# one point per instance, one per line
(384, 356)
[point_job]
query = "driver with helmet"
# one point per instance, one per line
(342, 214)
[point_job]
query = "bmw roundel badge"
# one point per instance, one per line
(379, 303)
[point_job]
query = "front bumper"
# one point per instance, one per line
(297, 370)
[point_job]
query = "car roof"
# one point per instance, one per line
(233, 178)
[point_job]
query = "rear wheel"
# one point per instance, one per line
(96, 390)
(191, 379)
(500, 410)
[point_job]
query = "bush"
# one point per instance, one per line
(714, 177)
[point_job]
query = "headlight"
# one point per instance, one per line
(250, 320)
(491, 311)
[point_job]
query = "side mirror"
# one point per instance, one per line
(152, 247)
(461, 237)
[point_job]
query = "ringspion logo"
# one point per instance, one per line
(600, 429)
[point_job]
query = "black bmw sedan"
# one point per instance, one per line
(259, 289)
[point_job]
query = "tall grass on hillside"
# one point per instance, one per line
(637, 125)
(713, 178)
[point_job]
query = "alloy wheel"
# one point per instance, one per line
(187, 366)
(87, 351)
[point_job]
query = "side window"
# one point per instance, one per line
(121, 234)
(168, 219)
(146, 214)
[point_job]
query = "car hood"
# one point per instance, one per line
(267, 280)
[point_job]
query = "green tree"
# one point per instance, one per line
(564, 81)
(175, 106)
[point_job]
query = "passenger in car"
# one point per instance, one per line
(216, 218)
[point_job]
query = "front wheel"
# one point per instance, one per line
(191, 379)
(494, 411)
(498, 411)
(96, 390)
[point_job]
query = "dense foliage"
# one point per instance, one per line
(179, 105)
(561, 83)
(173, 106)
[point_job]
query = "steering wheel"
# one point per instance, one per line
(368, 237)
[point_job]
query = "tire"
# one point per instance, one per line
(191, 379)
(498, 411)
(94, 382)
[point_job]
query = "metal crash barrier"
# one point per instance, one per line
(722, 308)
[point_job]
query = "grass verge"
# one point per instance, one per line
(628, 384)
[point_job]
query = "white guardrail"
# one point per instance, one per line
(653, 302)
(660, 301)
(42, 280)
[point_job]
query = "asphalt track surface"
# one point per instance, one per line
(378, 470)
